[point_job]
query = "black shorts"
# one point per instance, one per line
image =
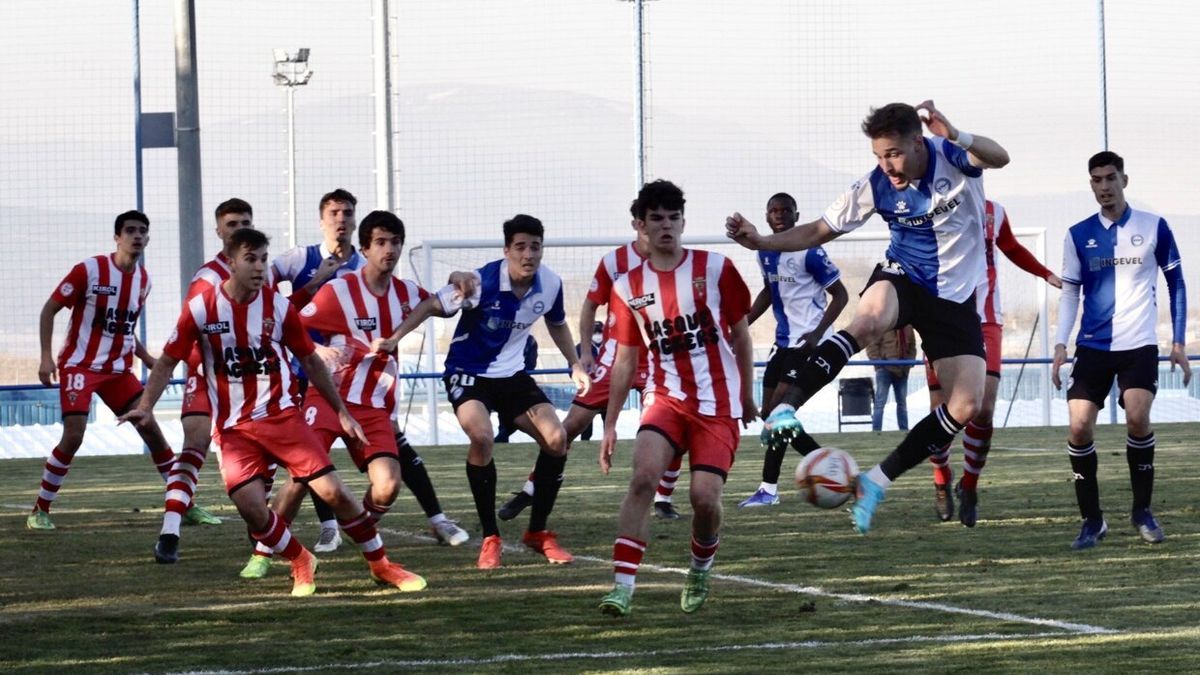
(947, 328)
(784, 365)
(508, 397)
(1092, 375)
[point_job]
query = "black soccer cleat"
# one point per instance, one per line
(943, 502)
(665, 511)
(166, 551)
(513, 507)
(968, 505)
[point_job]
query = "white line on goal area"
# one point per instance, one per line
(680, 651)
(1068, 626)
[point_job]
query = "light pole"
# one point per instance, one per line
(292, 71)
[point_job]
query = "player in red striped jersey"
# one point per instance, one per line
(246, 332)
(350, 313)
(231, 215)
(585, 407)
(977, 437)
(106, 295)
(689, 309)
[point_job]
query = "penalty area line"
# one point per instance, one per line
(1069, 626)
(652, 653)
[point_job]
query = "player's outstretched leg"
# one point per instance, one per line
(935, 430)
(827, 361)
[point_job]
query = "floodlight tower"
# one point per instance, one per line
(291, 71)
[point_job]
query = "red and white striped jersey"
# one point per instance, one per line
(105, 305)
(998, 234)
(614, 264)
(684, 317)
(211, 275)
(243, 347)
(350, 316)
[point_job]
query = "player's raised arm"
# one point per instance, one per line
(799, 238)
(982, 151)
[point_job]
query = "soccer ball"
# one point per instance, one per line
(826, 477)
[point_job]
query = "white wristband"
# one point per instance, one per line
(964, 140)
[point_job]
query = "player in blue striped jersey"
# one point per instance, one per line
(1113, 258)
(794, 288)
(485, 373)
(929, 191)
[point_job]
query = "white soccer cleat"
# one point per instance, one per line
(449, 533)
(329, 541)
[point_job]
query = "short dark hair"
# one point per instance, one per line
(783, 196)
(1106, 158)
(899, 119)
(338, 195)
(233, 205)
(249, 238)
(522, 224)
(132, 214)
(657, 194)
(379, 220)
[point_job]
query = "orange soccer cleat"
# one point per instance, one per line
(387, 573)
(489, 553)
(546, 543)
(304, 567)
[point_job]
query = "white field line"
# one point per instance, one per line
(682, 651)
(1081, 628)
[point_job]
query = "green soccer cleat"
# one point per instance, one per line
(199, 516)
(256, 568)
(618, 601)
(39, 520)
(695, 591)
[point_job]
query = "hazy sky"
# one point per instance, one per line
(528, 105)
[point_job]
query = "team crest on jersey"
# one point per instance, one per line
(309, 310)
(1137, 240)
(215, 328)
(595, 286)
(369, 323)
(942, 185)
(1091, 243)
(269, 325)
(539, 307)
(641, 301)
(97, 289)
(405, 308)
(67, 288)
(72, 396)
(901, 206)
(699, 283)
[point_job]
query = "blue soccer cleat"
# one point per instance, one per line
(760, 498)
(1147, 526)
(781, 427)
(1090, 534)
(867, 499)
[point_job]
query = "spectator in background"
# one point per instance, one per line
(892, 345)
(503, 431)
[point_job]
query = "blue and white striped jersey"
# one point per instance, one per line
(1116, 265)
(298, 265)
(936, 222)
(797, 281)
(489, 340)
